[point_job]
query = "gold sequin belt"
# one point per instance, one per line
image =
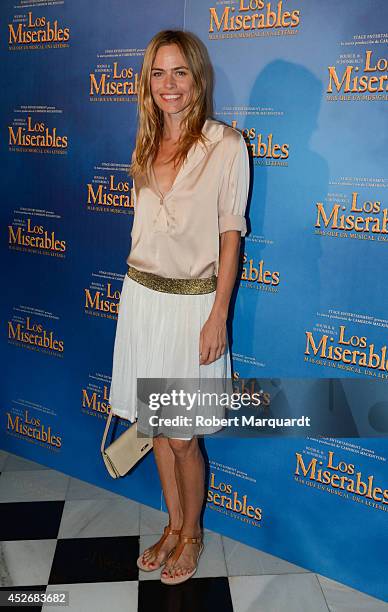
(190, 286)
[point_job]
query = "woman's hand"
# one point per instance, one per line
(212, 339)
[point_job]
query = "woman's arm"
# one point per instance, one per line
(212, 340)
(232, 201)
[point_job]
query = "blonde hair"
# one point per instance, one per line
(150, 116)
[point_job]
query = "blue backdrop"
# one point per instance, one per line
(307, 85)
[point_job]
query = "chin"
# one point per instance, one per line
(171, 111)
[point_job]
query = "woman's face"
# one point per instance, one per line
(171, 80)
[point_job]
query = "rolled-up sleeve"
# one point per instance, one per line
(234, 187)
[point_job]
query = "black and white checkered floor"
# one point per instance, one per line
(59, 533)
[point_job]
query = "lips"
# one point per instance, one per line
(170, 97)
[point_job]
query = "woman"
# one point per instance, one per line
(191, 178)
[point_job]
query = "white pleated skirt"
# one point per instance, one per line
(157, 336)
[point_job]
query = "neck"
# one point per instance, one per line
(172, 127)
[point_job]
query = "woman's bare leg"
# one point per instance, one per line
(165, 461)
(190, 476)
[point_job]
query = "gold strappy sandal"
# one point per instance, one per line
(177, 551)
(155, 550)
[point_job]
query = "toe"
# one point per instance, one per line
(148, 560)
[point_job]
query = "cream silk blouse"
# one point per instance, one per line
(177, 235)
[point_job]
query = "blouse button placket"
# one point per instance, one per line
(170, 218)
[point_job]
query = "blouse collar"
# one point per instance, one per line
(214, 131)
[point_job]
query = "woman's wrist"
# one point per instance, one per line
(219, 313)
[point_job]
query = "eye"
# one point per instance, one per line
(156, 73)
(181, 72)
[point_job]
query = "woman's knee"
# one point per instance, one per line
(182, 448)
(160, 442)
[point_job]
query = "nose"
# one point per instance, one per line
(169, 80)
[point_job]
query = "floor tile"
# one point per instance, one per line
(95, 560)
(14, 462)
(95, 556)
(3, 459)
(195, 595)
(30, 520)
(98, 597)
(152, 521)
(290, 592)
(84, 518)
(242, 560)
(341, 598)
(78, 489)
(212, 560)
(32, 485)
(26, 562)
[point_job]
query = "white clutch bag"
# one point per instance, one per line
(125, 452)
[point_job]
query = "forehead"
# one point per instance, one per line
(169, 56)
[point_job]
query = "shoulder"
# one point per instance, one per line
(233, 145)
(229, 133)
(232, 135)
(222, 133)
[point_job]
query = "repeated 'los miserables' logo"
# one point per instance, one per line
(340, 477)
(37, 31)
(30, 332)
(102, 297)
(36, 237)
(95, 400)
(109, 80)
(252, 15)
(348, 351)
(256, 275)
(222, 497)
(37, 136)
(369, 77)
(263, 147)
(365, 220)
(32, 429)
(108, 193)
